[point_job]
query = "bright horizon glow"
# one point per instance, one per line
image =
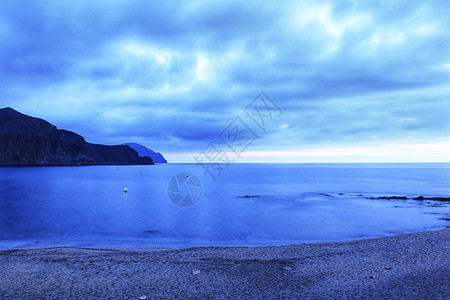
(433, 152)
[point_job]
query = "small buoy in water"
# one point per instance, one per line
(125, 190)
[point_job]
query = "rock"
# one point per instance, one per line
(287, 268)
(390, 198)
(372, 277)
(326, 195)
(398, 198)
(144, 151)
(28, 141)
(125, 190)
(440, 198)
(195, 271)
(444, 199)
(143, 297)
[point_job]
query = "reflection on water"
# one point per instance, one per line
(297, 203)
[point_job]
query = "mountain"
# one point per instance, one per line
(28, 141)
(144, 151)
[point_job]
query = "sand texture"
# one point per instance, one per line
(407, 266)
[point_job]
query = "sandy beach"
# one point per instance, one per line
(414, 266)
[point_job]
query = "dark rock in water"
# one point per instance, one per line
(247, 196)
(28, 141)
(390, 198)
(433, 198)
(144, 151)
(440, 199)
(326, 195)
(445, 219)
(420, 198)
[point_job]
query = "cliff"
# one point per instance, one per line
(144, 151)
(28, 141)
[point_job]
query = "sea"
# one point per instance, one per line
(189, 205)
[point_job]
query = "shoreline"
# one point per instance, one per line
(411, 265)
(198, 246)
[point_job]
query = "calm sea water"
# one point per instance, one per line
(86, 206)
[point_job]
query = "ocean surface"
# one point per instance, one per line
(285, 204)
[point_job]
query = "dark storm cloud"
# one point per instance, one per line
(178, 72)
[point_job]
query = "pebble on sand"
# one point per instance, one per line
(125, 190)
(195, 271)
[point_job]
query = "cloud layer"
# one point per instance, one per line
(172, 75)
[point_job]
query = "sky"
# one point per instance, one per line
(351, 81)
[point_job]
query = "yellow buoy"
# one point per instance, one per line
(125, 190)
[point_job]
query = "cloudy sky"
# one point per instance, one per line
(357, 81)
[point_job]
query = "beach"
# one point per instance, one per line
(414, 265)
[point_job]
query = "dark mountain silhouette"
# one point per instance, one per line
(144, 151)
(28, 141)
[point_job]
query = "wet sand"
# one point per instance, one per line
(407, 266)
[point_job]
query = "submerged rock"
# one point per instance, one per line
(420, 198)
(432, 198)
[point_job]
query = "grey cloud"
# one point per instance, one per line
(112, 69)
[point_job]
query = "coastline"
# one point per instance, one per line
(411, 265)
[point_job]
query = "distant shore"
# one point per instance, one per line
(414, 265)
